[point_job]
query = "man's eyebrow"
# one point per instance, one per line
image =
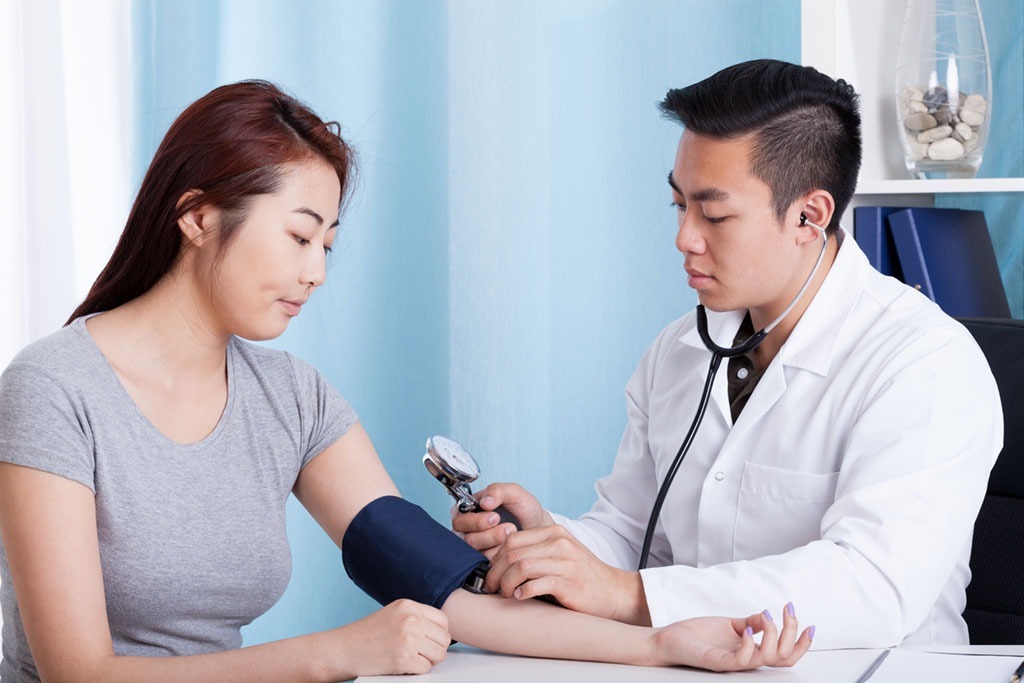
(315, 215)
(673, 185)
(712, 194)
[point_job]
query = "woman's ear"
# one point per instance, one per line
(196, 224)
(815, 207)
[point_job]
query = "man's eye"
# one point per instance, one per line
(713, 220)
(679, 206)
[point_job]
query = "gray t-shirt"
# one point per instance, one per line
(192, 538)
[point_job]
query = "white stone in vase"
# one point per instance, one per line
(972, 117)
(920, 121)
(947, 149)
(917, 150)
(935, 134)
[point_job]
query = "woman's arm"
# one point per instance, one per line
(538, 629)
(48, 527)
(339, 482)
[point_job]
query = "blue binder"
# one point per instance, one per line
(948, 255)
(871, 230)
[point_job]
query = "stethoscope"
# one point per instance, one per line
(717, 354)
(455, 468)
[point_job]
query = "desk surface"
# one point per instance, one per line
(466, 664)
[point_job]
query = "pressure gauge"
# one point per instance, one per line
(455, 468)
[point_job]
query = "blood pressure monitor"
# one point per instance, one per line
(455, 468)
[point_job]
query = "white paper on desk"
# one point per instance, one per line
(902, 665)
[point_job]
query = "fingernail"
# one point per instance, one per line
(509, 530)
(750, 632)
(518, 593)
(810, 633)
(767, 615)
(493, 519)
(790, 610)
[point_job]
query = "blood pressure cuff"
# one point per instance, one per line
(394, 549)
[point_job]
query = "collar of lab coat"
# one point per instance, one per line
(811, 343)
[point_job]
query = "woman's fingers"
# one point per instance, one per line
(783, 648)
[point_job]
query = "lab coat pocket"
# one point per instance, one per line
(779, 510)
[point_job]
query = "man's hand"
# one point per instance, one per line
(484, 531)
(550, 561)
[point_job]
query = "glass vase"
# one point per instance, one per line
(943, 88)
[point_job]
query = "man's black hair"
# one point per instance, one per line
(805, 126)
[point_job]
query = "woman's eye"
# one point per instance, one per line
(302, 241)
(327, 250)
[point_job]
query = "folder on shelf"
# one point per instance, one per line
(871, 231)
(948, 255)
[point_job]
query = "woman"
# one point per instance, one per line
(146, 451)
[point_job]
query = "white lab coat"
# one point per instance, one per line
(849, 484)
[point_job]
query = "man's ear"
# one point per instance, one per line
(818, 207)
(198, 223)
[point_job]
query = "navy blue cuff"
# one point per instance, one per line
(394, 549)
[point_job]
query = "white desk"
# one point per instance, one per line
(468, 665)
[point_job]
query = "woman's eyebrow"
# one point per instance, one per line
(319, 219)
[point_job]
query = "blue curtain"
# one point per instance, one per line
(509, 254)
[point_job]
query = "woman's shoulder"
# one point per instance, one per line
(65, 352)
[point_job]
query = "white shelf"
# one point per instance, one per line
(940, 186)
(858, 40)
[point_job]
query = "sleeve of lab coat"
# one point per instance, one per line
(913, 475)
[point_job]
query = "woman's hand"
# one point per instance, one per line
(723, 644)
(404, 637)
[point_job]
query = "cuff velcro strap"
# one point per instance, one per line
(394, 549)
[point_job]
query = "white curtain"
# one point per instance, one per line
(65, 129)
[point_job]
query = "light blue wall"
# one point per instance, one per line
(509, 252)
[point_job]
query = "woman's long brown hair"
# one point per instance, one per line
(228, 146)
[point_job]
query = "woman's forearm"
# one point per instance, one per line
(538, 629)
(295, 659)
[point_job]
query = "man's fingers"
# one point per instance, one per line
(469, 522)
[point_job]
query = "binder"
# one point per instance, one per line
(948, 255)
(871, 231)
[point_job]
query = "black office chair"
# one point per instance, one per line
(995, 596)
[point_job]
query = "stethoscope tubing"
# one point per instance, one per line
(717, 354)
(698, 417)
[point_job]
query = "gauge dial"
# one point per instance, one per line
(453, 457)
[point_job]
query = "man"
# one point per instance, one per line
(840, 464)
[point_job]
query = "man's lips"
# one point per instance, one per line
(697, 279)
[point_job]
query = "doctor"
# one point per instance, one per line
(840, 464)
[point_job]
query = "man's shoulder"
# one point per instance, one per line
(900, 312)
